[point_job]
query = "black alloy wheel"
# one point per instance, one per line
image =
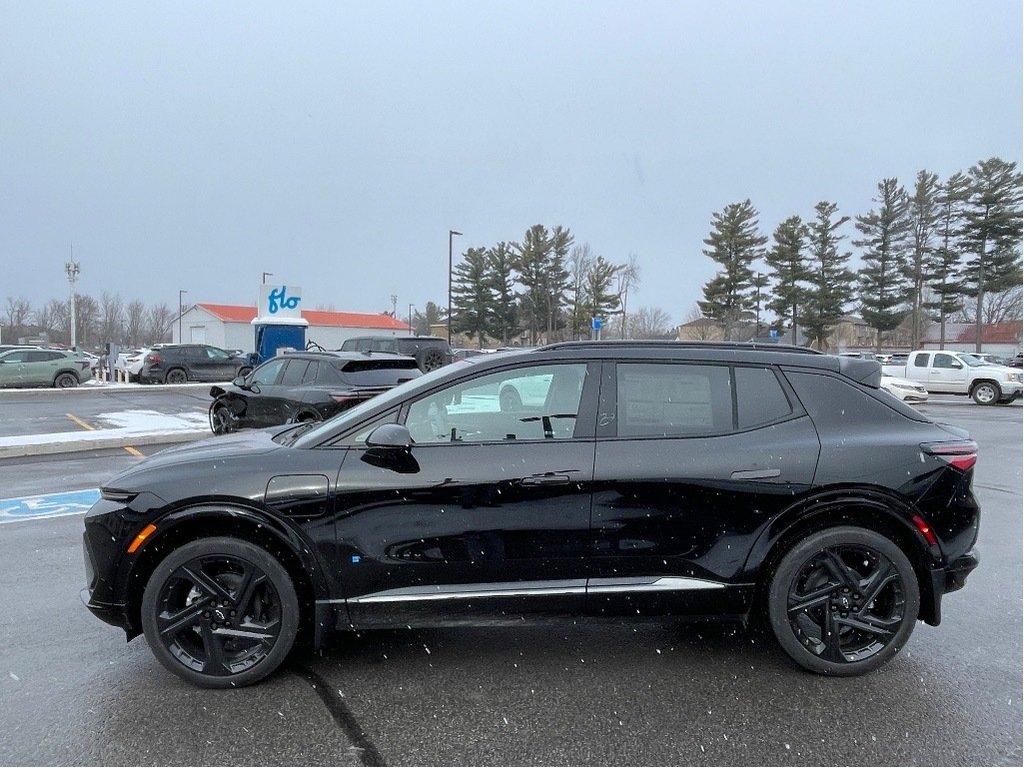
(220, 613)
(175, 376)
(222, 419)
(430, 359)
(65, 381)
(843, 601)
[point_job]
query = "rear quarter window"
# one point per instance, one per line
(836, 404)
(760, 398)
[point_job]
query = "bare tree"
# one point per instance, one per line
(158, 324)
(18, 312)
(53, 318)
(649, 323)
(581, 261)
(701, 328)
(629, 277)
(1002, 307)
(134, 322)
(111, 318)
(87, 319)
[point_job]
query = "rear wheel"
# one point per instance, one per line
(843, 601)
(985, 393)
(65, 380)
(175, 376)
(220, 613)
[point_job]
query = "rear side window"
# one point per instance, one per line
(921, 360)
(760, 398)
(376, 372)
(666, 400)
(293, 373)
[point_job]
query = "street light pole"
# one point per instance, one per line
(410, 318)
(180, 313)
(72, 269)
(266, 275)
(451, 233)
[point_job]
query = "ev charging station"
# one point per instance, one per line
(279, 325)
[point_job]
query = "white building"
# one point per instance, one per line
(229, 326)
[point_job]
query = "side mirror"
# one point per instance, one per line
(957, 364)
(390, 436)
(238, 381)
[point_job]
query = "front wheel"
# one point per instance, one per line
(220, 613)
(985, 393)
(843, 601)
(222, 419)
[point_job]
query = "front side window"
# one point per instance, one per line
(944, 361)
(266, 374)
(217, 354)
(668, 400)
(534, 403)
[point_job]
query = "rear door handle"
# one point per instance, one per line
(548, 478)
(755, 474)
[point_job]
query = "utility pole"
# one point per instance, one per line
(72, 269)
(394, 306)
(451, 233)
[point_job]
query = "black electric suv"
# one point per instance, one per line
(637, 480)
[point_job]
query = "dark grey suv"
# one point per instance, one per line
(430, 351)
(178, 363)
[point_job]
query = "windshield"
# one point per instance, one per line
(971, 360)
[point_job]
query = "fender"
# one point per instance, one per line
(214, 513)
(847, 504)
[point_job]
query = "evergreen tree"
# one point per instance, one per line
(992, 232)
(556, 279)
(831, 283)
(944, 264)
(600, 299)
(734, 242)
(531, 262)
(430, 316)
(472, 297)
(924, 213)
(500, 260)
(790, 271)
(884, 288)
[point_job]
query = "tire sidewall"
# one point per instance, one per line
(172, 374)
(70, 378)
(793, 562)
(242, 550)
(996, 394)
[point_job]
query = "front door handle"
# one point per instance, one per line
(548, 478)
(755, 474)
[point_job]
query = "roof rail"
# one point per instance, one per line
(656, 344)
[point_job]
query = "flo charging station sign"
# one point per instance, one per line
(278, 302)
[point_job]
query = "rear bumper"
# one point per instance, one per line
(947, 579)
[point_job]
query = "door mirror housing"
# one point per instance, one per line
(390, 436)
(957, 364)
(239, 381)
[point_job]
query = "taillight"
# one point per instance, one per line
(962, 454)
(152, 359)
(346, 398)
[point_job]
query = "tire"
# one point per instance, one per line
(509, 399)
(429, 359)
(985, 393)
(175, 376)
(821, 612)
(222, 419)
(65, 380)
(203, 595)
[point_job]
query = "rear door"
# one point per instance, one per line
(691, 461)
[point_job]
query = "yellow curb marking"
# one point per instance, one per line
(84, 425)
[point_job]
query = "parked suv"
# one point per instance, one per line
(178, 363)
(37, 367)
(638, 480)
(430, 351)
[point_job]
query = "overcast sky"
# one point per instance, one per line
(196, 145)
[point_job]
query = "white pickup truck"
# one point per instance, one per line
(960, 373)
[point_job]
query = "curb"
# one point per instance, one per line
(110, 387)
(43, 448)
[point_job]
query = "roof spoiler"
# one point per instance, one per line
(868, 372)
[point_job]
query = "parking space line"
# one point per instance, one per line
(134, 451)
(80, 423)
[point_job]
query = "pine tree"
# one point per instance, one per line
(531, 262)
(500, 260)
(884, 288)
(992, 232)
(600, 299)
(556, 279)
(944, 264)
(924, 213)
(831, 283)
(734, 242)
(790, 271)
(472, 297)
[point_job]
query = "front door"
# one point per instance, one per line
(488, 513)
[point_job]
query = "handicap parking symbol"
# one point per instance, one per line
(47, 505)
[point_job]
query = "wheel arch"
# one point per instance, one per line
(206, 520)
(978, 382)
(865, 508)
